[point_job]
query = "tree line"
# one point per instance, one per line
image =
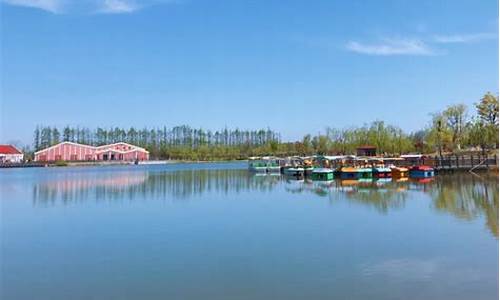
(454, 129)
(179, 142)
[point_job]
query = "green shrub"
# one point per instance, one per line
(60, 163)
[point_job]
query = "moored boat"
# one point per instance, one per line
(399, 172)
(322, 174)
(381, 172)
(355, 173)
(349, 173)
(365, 172)
(264, 165)
(421, 172)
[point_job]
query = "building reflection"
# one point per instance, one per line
(464, 196)
(177, 185)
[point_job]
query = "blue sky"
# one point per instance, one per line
(295, 66)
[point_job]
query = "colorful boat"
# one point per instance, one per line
(355, 173)
(264, 165)
(399, 172)
(322, 174)
(381, 172)
(365, 172)
(349, 173)
(421, 172)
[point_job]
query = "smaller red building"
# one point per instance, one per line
(10, 154)
(69, 151)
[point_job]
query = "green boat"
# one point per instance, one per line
(322, 174)
(264, 165)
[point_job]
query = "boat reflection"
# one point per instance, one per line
(462, 195)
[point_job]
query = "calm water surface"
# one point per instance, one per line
(214, 231)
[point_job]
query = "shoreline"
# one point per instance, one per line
(104, 164)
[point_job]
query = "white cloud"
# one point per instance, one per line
(391, 47)
(118, 6)
(464, 38)
(88, 6)
(53, 6)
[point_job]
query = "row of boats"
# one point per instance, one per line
(326, 168)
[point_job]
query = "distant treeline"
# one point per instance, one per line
(451, 130)
(180, 142)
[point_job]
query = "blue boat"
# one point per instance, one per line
(421, 172)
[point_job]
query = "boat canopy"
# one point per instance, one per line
(337, 157)
(411, 156)
(322, 170)
(263, 158)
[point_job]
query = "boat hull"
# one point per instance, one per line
(421, 173)
(399, 173)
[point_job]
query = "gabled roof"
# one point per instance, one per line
(9, 149)
(97, 148)
(62, 143)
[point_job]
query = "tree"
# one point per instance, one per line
(439, 135)
(306, 143)
(66, 134)
(487, 109)
(46, 137)
(456, 118)
(55, 136)
(36, 139)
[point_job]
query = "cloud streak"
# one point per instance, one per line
(118, 6)
(464, 38)
(391, 47)
(53, 6)
(87, 6)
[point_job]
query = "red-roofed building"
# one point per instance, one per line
(10, 154)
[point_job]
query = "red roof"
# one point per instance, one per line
(9, 149)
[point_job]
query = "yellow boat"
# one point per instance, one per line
(399, 172)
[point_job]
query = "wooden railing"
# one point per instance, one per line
(454, 162)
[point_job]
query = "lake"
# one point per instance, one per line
(215, 231)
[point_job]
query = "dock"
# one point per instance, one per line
(455, 162)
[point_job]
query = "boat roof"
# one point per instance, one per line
(337, 157)
(262, 158)
(382, 158)
(322, 170)
(411, 156)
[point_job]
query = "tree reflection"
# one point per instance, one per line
(464, 196)
(467, 197)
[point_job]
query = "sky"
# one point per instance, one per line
(296, 67)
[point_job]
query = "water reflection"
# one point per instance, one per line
(182, 184)
(464, 196)
(467, 197)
